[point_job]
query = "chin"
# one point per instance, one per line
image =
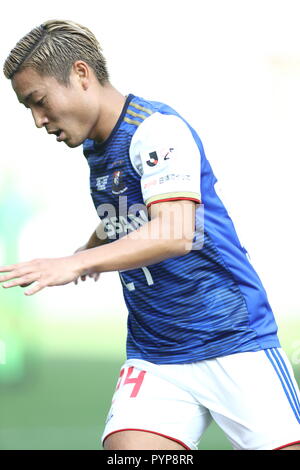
(73, 145)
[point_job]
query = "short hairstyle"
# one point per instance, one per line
(53, 47)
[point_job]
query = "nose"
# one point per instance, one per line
(40, 119)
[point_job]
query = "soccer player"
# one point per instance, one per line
(202, 340)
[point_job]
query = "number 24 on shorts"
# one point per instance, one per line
(126, 379)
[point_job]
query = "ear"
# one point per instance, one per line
(82, 71)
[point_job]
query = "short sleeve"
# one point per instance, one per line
(164, 153)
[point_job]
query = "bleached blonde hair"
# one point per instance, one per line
(53, 47)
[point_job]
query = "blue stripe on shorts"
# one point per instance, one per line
(281, 370)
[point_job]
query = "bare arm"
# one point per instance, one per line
(168, 234)
(97, 238)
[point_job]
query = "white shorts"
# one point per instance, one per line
(252, 396)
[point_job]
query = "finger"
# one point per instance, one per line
(16, 273)
(36, 288)
(27, 280)
(7, 277)
(96, 277)
(15, 267)
(83, 278)
(6, 269)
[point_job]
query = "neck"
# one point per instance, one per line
(111, 105)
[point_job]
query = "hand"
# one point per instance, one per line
(92, 275)
(45, 272)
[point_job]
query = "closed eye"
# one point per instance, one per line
(41, 102)
(38, 103)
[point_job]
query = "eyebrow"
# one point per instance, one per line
(28, 97)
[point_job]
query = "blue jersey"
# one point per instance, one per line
(207, 303)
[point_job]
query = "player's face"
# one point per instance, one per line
(65, 111)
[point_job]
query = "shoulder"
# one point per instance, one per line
(160, 125)
(159, 134)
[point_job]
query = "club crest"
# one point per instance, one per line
(118, 185)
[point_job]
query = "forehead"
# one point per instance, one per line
(28, 81)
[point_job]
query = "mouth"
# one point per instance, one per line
(60, 135)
